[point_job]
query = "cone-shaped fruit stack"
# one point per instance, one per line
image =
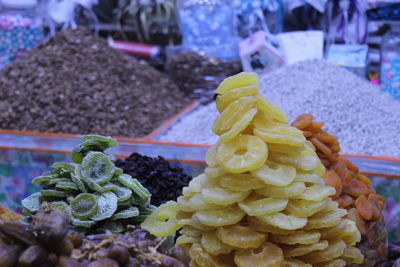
(262, 199)
(354, 190)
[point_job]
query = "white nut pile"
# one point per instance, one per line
(363, 118)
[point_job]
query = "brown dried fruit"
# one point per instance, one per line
(104, 263)
(19, 232)
(50, 226)
(75, 238)
(9, 255)
(68, 262)
(33, 256)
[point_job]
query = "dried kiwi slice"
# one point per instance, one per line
(65, 166)
(61, 205)
(32, 202)
(135, 186)
(122, 193)
(45, 178)
(55, 181)
(82, 223)
(77, 180)
(97, 168)
(125, 214)
(84, 205)
(54, 193)
(118, 172)
(147, 210)
(67, 185)
(106, 141)
(113, 227)
(107, 205)
(84, 148)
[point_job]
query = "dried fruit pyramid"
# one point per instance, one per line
(262, 200)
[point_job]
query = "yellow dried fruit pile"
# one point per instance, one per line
(262, 200)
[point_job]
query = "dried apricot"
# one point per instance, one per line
(355, 216)
(364, 207)
(321, 146)
(344, 201)
(302, 121)
(333, 180)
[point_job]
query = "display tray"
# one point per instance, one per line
(25, 155)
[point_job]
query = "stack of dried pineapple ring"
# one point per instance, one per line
(354, 190)
(262, 200)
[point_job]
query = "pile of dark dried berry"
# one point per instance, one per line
(75, 83)
(164, 181)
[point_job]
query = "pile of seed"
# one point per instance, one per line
(363, 118)
(75, 83)
(164, 181)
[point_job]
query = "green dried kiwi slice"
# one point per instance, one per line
(123, 194)
(139, 202)
(135, 186)
(77, 180)
(55, 181)
(107, 205)
(118, 172)
(69, 167)
(46, 177)
(69, 199)
(61, 205)
(106, 141)
(147, 210)
(32, 202)
(55, 193)
(125, 214)
(111, 226)
(137, 220)
(84, 206)
(67, 185)
(82, 223)
(84, 148)
(97, 168)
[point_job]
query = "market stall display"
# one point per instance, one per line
(360, 115)
(161, 178)
(262, 199)
(75, 83)
(354, 190)
(50, 241)
(97, 196)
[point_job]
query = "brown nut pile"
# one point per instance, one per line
(354, 190)
(49, 241)
(9, 215)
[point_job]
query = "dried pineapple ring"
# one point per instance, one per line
(195, 203)
(278, 133)
(297, 237)
(332, 205)
(320, 169)
(184, 218)
(254, 206)
(352, 240)
(184, 240)
(308, 178)
(317, 193)
(195, 223)
(230, 96)
(190, 231)
(214, 172)
(232, 113)
(222, 217)
(240, 182)
(353, 255)
(268, 255)
(305, 208)
(334, 250)
(243, 153)
(260, 226)
(285, 149)
(238, 80)
(270, 110)
(299, 250)
(302, 162)
(334, 263)
(289, 262)
(211, 156)
(283, 221)
(275, 174)
(238, 127)
(195, 185)
(325, 219)
(202, 258)
(289, 191)
(223, 197)
(240, 236)
(213, 245)
(345, 228)
(163, 222)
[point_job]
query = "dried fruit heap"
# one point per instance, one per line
(262, 199)
(354, 190)
(97, 195)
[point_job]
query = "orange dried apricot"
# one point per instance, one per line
(344, 201)
(302, 121)
(333, 180)
(364, 207)
(364, 179)
(321, 146)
